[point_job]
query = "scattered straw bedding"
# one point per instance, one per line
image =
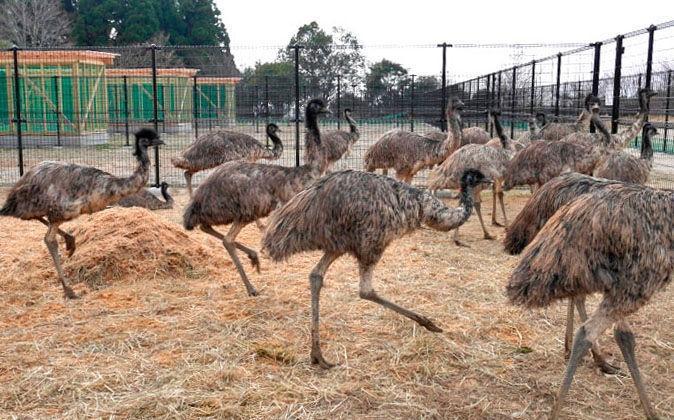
(114, 245)
(166, 330)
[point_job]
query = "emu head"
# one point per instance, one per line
(455, 104)
(650, 130)
(541, 119)
(316, 107)
(591, 102)
(473, 177)
(347, 112)
(272, 129)
(146, 137)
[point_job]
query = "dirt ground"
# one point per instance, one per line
(186, 343)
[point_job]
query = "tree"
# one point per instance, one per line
(34, 23)
(139, 54)
(138, 23)
(94, 21)
(326, 55)
(385, 80)
(426, 83)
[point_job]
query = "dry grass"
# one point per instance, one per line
(184, 343)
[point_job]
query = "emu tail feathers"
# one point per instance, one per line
(10, 207)
(191, 215)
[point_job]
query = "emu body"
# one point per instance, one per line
(56, 192)
(359, 214)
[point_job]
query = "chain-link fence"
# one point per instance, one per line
(82, 105)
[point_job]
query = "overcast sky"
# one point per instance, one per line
(265, 24)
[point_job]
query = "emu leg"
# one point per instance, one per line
(625, 339)
(53, 247)
(188, 180)
(457, 241)
(478, 210)
(494, 222)
(505, 217)
(568, 336)
(384, 171)
(316, 283)
(597, 355)
(367, 292)
(260, 225)
(70, 239)
(231, 250)
(585, 336)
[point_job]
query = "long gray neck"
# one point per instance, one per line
(278, 145)
(599, 124)
(647, 147)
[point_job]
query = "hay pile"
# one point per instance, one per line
(115, 245)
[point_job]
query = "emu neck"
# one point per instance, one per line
(439, 217)
(583, 121)
(628, 134)
(646, 148)
(312, 127)
(352, 124)
(605, 134)
(139, 177)
(278, 145)
(454, 134)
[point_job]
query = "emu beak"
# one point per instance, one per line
(486, 181)
(158, 142)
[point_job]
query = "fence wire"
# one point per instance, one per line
(82, 105)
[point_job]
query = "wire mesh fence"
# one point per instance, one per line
(82, 105)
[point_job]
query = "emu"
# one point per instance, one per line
(146, 199)
(617, 241)
(56, 192)
(334, 144)
(359, 213)
(240, 193)
(215, 148)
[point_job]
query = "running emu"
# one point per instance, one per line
(542, 205)
(146, 199)
(214, 149)
(617, 242)
(359, 213)
(56, 192)
(241, 193)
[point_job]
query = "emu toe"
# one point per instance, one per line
(428, 324)
(70, 245)
(317, 359)
(68, 293)
(463, 244)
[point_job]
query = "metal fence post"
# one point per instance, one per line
(339, 101)
(57, 111)
(513, 100)
(155, 110)
(195, 106)
(126, 109)
(17, 108)
(533, 87)
(558, 84)
(296, 49)
(412, 103)
(487, 103)
(256, 110)
(595, 75)
(617, 77)
(266, 99)
(649, 64)
(443, 117)
(500, 74)
(669, 94)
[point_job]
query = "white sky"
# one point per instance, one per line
(257, 28)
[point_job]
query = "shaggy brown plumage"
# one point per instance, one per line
(469, 135)
(239, 193)
(56, 192)
(217, 147)
(542, 160)
(556, 131)
(146, 199)
(491, 161)
(536, 123)
(360, 214)
(539, 209)
(617, 241)
(334, 144)
(619, 140)
(625, 167)
(408, 153)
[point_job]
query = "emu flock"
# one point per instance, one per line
(591, 225)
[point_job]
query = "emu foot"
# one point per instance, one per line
(608, 368)
(70, 245)
(489, 236)
(252, 292)
(495, 223)
(254, 261)
(68, 293)
(427, 323)
(459, 243)
(317, 359)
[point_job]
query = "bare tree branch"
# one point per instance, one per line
(34, 23)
